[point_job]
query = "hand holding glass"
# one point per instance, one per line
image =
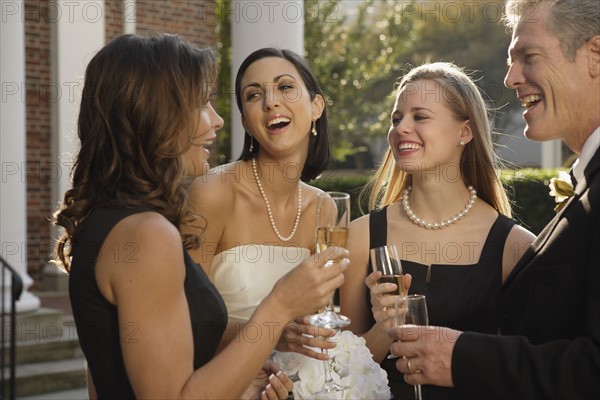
(411, 310)
(385, 260)
(332, 221)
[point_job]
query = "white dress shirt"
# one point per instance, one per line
(590, 147)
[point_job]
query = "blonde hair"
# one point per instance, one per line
(478, 161)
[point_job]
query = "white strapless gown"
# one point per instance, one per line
(245, 275)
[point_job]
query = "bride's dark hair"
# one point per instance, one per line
(139, 111)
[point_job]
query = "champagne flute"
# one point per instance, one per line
(332, 221)
(385, 260)
(412, 310)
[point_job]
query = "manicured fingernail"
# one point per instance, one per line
(268, 387)
(271, 376)
(264, 393)
(279, 373)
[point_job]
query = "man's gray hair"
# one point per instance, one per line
(573, 22)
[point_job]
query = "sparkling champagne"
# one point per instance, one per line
(397, 279)
(331, 236)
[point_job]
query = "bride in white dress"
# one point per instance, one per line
(257, 213)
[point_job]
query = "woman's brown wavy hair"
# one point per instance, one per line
(139, 111)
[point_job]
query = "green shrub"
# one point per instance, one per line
(527, 189)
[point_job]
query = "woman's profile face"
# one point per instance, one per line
(196, 157)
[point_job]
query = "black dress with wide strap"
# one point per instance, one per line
(97, 320)
(461, 297)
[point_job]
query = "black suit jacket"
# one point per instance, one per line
(549, 312)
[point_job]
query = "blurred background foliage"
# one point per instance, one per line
(359, 57)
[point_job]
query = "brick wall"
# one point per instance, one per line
(39, 169)
(113, 18)
(193, 19)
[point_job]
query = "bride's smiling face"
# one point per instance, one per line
(276, 105)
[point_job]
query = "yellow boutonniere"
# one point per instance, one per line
(561, 188)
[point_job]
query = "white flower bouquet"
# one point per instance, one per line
(352, 367)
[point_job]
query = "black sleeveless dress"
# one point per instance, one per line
(461, 297)
(97, 321)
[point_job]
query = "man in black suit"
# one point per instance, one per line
(549, 307)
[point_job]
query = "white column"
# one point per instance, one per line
(256, 24)
(13, 186)
(78, 32)
(551, 154)
(129, 16)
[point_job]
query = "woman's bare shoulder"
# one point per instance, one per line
(215, 190)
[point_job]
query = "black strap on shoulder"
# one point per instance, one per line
(493, 249)
(378, 228)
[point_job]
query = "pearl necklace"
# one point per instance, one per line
(437, 225)
(262, 193)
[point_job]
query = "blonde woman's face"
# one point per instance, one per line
(424, 133)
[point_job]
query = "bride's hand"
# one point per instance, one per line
(383, 306)
(269, 384)
(299, 337)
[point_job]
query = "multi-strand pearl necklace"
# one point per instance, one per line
(437, 225)
(262, 193)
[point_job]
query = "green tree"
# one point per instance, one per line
(358, 59)
(223, 101)
(471, 34)
(357, 62)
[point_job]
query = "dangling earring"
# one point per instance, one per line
(251, 148)
(314, 129)
(462, 142)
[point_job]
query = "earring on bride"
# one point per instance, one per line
(314, 129)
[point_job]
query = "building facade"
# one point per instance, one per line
(45, 47)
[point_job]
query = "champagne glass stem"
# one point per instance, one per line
(418, 392)
(327, 366)
(330, 306)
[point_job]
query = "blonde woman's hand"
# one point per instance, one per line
(382, 306)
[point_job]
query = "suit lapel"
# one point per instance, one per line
(591, 169)
(539, 242)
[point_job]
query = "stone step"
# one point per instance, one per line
(35, 325)
(51, 348)
(48, 356)
(47, 339)
(73, 394)
(47, 377)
